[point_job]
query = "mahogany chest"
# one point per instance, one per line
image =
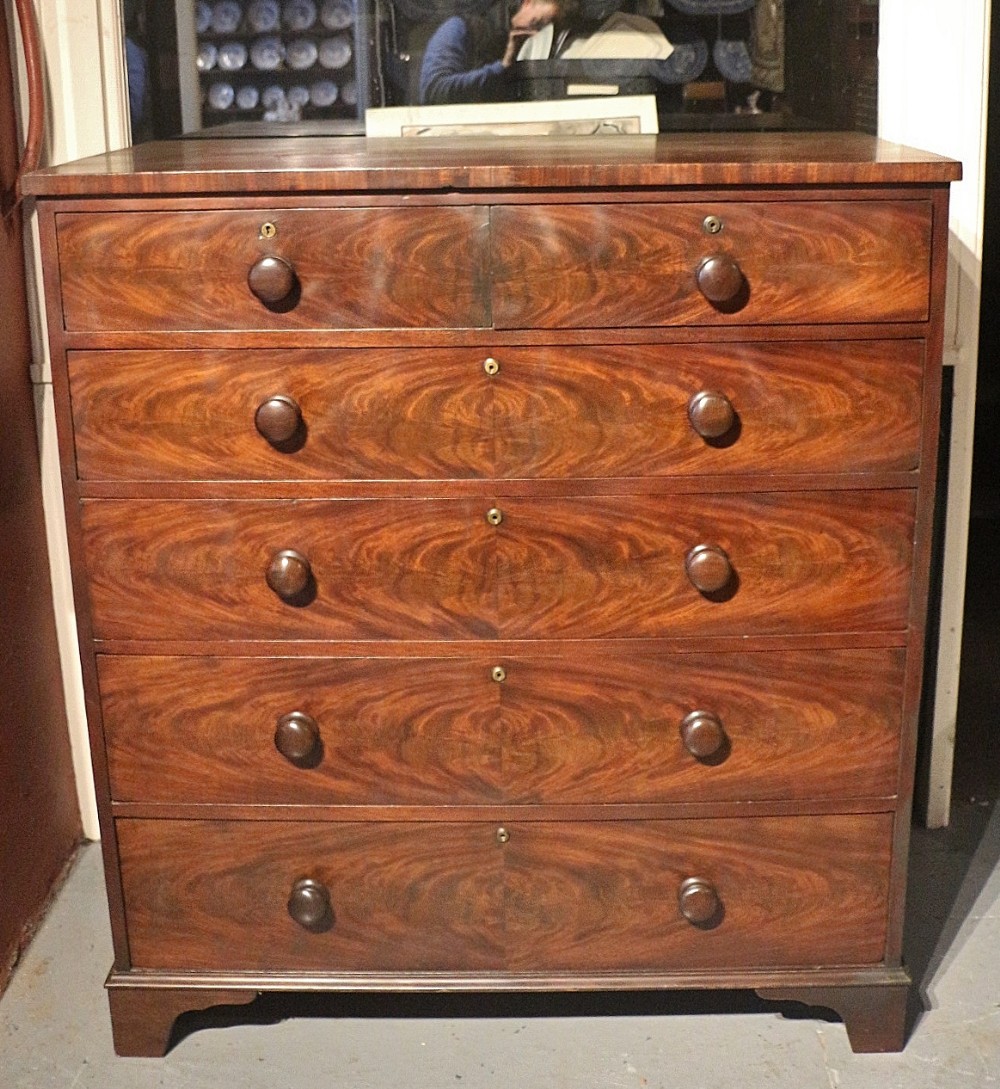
(501, 566)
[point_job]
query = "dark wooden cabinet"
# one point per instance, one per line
(39, 811)
(502, 567)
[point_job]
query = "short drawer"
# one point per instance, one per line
(574, 896)
(215, 895)
(785, 563)
(629, 566)
(321, 731)
(629, 725)
(365, 569)
(781, 262)
(620, 727)
(596, 411)
(282, 414)
(344, 268)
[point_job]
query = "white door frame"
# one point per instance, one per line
(933, 93)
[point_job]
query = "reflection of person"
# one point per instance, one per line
(461, 60)
(137, 69)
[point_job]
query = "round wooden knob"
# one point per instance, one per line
(278, 419)
(719, 279)
(711, 414)
(698, 901)
(297, 737)
(272, 280)
(708, 568)
(703, 734)
(309, 905)
(289, 574)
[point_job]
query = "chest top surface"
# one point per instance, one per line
(339, 164)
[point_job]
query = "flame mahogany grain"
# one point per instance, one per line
(357, 268)
(554, 568)
(566, 728)
(556, 896)
(553, 412)
(531, 829)
(608, 265)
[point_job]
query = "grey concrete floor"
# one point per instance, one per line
(55, 1032)
(54, 1028)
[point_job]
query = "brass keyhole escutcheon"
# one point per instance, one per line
(494, 516)
(268, 230)
(491, 366)
(712, 224)
(502, 836)
(499, 674)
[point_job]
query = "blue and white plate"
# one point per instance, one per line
(221, 96)
(264, 16)
(298, 14)
(323, 93)
(207, 57)
(232, 56)
(203, 17)
(335, 52)
(336, 14)
(226, 16)
(267, 52)
(301, 53)
(247, 97)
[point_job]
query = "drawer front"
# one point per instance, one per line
(799, 562)
(354, 731)
(570, 567)
(792, 890)
(214, 895)
(365, 414)
(633, 411)
(585, 896)
(351, 268)
(641, 727)
(380, 569)
(599, 266)
(548, 412)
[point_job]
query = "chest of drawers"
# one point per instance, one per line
(501, 567)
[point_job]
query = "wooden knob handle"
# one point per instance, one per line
(699, 902)
(703, 734)
(278, 419)
(720, 279)
(289, 574)
(272, 280)
(309, 905)
(297, 738)
(708, 568)
(711, 414)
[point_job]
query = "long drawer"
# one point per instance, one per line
(510, 266)
(409, 413)
(425, 896)
(567, 567)
(616, 726)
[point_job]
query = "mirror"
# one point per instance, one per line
(288, 67)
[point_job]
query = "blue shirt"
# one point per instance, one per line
(447, 74)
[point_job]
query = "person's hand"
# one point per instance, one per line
(515, 39)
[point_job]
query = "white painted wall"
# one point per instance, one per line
(944, 110)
